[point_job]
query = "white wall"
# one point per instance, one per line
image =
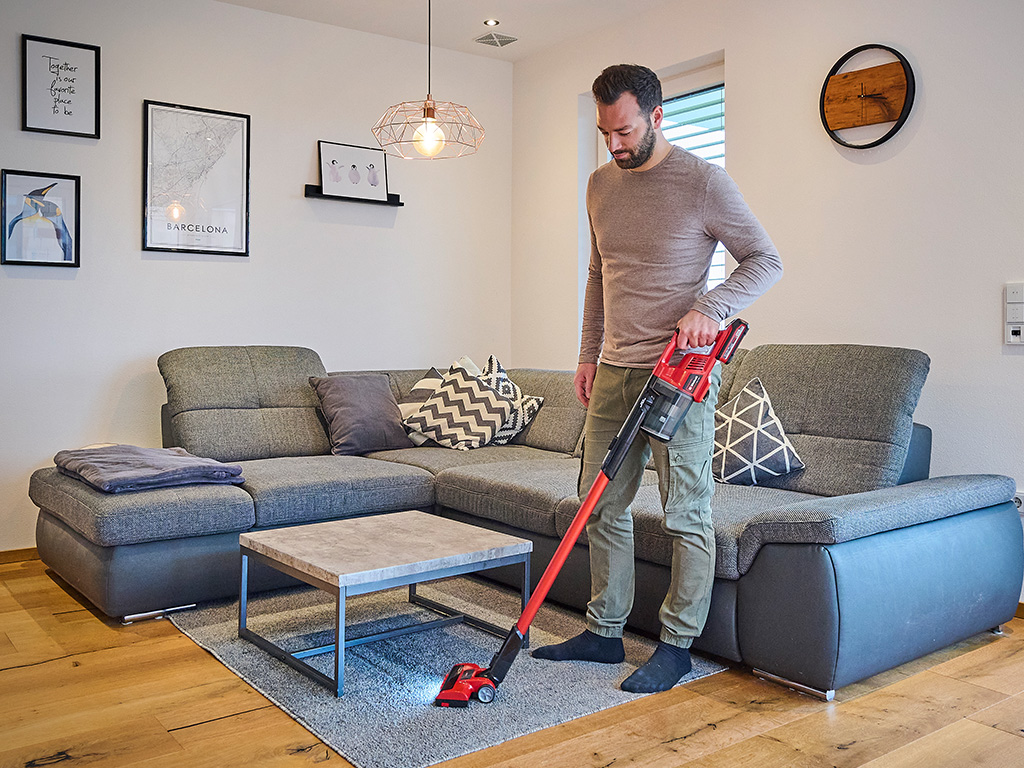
(906, 245)
(364, 285)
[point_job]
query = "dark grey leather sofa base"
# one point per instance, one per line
(811, 613)
(133, 579)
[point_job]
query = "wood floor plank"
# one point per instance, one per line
(774, 703)
(230, 741)
(851, 733)
(957, 745)
(156, 665)
(1007, 715)
(999, 666)
(115, 745)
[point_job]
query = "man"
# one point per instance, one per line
(656, 215)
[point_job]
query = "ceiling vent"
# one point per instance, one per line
(495, 40)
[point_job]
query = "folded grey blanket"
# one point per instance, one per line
(118, 468)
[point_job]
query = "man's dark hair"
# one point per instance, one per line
(640, 81)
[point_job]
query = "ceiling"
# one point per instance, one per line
(538, 24)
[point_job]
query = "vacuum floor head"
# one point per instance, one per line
(462, 683)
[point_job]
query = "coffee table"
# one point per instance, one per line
(367, 554)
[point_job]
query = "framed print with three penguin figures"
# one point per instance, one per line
(353, 172)
(40, 215)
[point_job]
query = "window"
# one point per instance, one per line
(696, 122)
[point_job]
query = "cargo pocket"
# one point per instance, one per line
(686, 490)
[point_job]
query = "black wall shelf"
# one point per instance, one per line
(315, 190)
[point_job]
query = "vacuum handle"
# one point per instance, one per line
(726, 343)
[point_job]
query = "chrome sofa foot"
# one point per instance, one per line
(997, 630)
(131, 619)
(799, 687)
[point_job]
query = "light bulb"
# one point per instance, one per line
(175, 211)
(429, 138)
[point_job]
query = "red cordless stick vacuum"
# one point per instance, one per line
(658, 411)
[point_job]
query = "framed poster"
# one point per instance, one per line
(196, 180)
(39, 213)
(347, 170)
(60, 87)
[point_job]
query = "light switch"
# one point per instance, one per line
(1014, 303)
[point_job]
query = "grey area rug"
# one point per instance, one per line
(386, 719)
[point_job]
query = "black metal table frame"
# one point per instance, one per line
(294, 659)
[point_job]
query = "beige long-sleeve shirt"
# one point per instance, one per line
(653, 234)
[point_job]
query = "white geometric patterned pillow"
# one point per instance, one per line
(750, 444)
(462, 413)
(524, 407)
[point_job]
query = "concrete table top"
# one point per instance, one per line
(377, 548)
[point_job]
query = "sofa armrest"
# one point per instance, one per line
(835, 519)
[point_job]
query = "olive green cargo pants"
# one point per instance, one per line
(684, 478)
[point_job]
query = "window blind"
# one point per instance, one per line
(696, 122)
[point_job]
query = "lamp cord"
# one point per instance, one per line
(428, 47)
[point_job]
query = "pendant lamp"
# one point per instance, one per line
(428, 129)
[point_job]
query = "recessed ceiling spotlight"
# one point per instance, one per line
(491, 22)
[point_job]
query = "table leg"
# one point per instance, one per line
(339, 643)
(243, 594)
(525, 595)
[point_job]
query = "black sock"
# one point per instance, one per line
(584, 647)
(665, 668)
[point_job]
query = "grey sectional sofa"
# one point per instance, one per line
(825, 576)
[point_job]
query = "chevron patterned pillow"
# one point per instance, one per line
(524, 407)
(750, 444)
(463, 412)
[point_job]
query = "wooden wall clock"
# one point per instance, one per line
(870, 96)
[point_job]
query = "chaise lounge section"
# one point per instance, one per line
(824, 576)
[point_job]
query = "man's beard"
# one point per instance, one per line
(642, 153)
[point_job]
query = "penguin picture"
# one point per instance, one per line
(44, 215)
(352, 172)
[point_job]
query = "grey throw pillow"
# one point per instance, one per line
(361, 413)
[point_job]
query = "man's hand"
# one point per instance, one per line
(695, 330)
(584, 381)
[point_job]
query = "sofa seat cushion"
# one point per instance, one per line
(731, 507)
(292, 490)
(435, 459)
(524, 494)
(158, 514)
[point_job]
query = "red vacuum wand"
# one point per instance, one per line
(678, 381)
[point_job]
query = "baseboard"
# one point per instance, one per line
(18, 555)
(1020, 611)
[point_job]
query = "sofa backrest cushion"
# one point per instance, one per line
(559, 422)
(557, 425)
(240, 403)
(847, 409)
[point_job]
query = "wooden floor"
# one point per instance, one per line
(79, 689)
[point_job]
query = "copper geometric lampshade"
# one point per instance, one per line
(428, 129)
